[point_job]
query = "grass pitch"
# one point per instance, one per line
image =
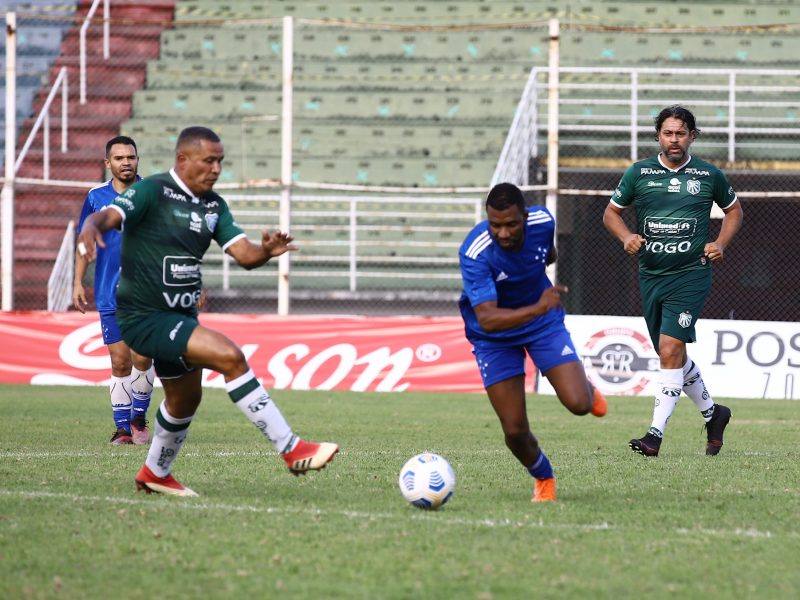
(682, 525)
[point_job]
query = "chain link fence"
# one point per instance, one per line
(400, 115)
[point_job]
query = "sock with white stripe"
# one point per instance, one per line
(541, 467)
(253, 400)
(169, 434)
(695, 388)
(142, 390)
(669, 392)
(120, 389)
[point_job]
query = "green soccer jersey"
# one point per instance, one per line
(673, 209)
(166, 232)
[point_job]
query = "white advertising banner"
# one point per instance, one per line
(738, 359)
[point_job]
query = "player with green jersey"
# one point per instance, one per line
(673, 194)
(168, 222)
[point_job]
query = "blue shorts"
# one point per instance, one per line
(498, 363)
(109, 327)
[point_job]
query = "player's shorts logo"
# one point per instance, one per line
(620, 361)
(685, 319)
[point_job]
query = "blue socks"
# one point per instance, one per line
(541, 468)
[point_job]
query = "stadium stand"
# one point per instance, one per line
(373, 105)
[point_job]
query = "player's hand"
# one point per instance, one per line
(551, 297)
(633, 243)
(87, 239)
(714, 251)
(276, 243)
(79, 298)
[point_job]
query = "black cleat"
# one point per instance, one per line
(716, 427)
(646, 446)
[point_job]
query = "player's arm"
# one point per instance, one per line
(93, 229)
(78, 292)
(493, 318)
(250, 255)
(731, 223)
(612, 219)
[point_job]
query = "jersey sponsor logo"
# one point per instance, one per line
(685, 319)
(211, 221)
(698, 172)
(651, 171)
(129, 193)
(124, 203)
(668, 247)
(693, 187)
(195, 222)
(669, 227)
(168, 192)
(181, 299)
(181, 271)
(674, 185)
(501, 277)
(212, 204)
(654, 184)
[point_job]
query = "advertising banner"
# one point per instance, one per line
(739, 359)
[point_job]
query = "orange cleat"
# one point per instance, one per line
(544, 490)
(599, 404)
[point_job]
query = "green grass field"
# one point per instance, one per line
(682, 525)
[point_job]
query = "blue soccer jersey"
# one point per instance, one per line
(511, 278)
(106, 270)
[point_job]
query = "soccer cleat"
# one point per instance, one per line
(544, 490)
(646, 446)
(121, 437)
(147, 481)
(140, 434)
(308, 456)
(716, 427)
(599, 404)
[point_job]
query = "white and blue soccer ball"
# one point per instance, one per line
(427, 480)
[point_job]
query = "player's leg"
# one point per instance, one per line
(555, 356)
(681, 312)
(503, 373)
(182, 395)
(142, 377)
(210, 349)
(120, 386)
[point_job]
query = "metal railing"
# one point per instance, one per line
(106, 46)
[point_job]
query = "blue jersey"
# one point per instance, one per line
(106, 270)
(511, 278)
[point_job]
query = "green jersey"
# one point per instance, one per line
(166, 232)
(673, 209)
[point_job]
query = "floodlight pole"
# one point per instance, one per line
(7, 194)
(552, 130)
(286, 161)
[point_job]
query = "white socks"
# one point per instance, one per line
(254, 401)
(168, 437)
(142, 383)
(669, 391)
(696, 390)
(121, 401)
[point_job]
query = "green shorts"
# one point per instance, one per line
(163, 336)
(672, 303)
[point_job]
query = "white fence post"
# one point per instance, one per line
(7, 199)
(286, 161)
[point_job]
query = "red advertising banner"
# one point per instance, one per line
(391, 354)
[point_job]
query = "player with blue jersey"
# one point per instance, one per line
(131, 374)
(673, 194)
(511, 310)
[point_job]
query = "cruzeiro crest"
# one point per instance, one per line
(685, 319)
(693, 187)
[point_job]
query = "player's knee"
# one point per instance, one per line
(232, 361)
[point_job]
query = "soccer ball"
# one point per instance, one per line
(427, 480)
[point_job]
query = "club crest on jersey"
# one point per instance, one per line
(211, 221)
(685, 319)
(693, 187)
